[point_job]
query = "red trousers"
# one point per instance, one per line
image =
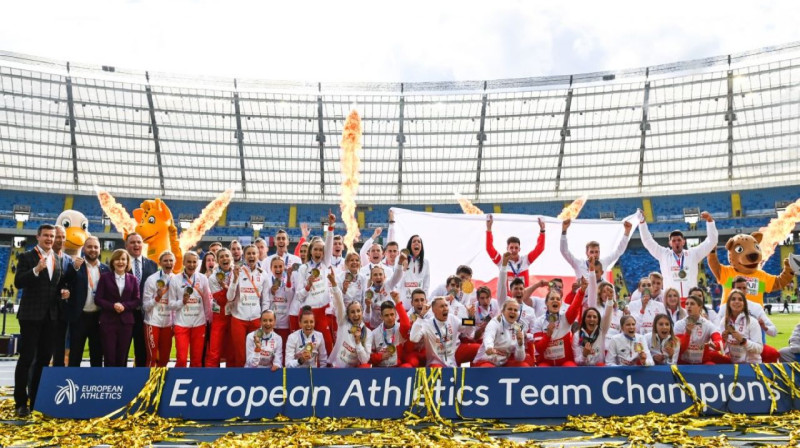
(294, 324)
(710, 358)
(466, 352)
(284, 334)
(189, 341)
(159, 345)
(509, 363)
(563, 362)
(239, 331)
(769, 354)
(220, 342)
(412, 357)
(333, 326)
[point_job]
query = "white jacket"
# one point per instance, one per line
(345, 352)
(750, 351)
(500, 335)
(270, 350)
(689, 260)
(656, 346)
(624, 351)
(441, 339)
(296, 343)
(157, 314)
(247, 292)
(280, 302)
(198, 311)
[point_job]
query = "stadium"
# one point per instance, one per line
(718, 134)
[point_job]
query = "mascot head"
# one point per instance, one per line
(77, 227)
(154, 219)
(744, 253)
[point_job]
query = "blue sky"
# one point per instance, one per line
(390, 41)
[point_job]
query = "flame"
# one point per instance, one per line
(466, 206)
(778, 229)
(208, 217)
(116, 212)
(572, 210)
(351, 162)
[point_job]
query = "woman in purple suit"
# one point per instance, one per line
(117, 296)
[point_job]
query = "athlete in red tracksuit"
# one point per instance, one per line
(220, 339)
(247, 291)
(552, 332)
(518, 266)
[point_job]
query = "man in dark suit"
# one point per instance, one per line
(62, 325)
(142, 267)
(80, 311)
(39, 277)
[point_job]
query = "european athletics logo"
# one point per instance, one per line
(68, 392)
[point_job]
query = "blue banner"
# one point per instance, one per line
(218, 394)
(74, 392)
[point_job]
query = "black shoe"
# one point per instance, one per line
(23, 412)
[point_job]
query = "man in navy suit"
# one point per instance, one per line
(39, 276)
(81, 311)
(62, 324)
(141, 267)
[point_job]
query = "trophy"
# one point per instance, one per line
(467, 286)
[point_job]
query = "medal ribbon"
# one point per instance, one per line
(247, 273)
(192, 284)
(679, 261)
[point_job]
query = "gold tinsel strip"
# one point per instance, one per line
(784, 377)
(697, 405)
(769, 384)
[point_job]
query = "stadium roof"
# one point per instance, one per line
(721, 123)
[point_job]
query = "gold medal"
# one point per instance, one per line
(295, 266)
(309, 347)
(368, 295)
(220, 276)
(406, 252)
(160, 283)
(188, 291)
(315, 272)
(516, 327)
(414, 317)
(552, 317)
(349, 277)
(682, 273)
(355, 330)
(277, 282)
(638, 347)
(467, 286)
(391, 349)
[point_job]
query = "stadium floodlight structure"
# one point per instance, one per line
(22, 212)
(715, 124)
(257, 222)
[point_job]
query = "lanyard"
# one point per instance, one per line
(442, 339)
(91, 279)
(247, 273)
(303, 338)
(514, 270)
(385, 339)
(488, 312)
(679, 261)
(169, 278)
(186, 282)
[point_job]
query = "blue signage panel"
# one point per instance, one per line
(218, 394)
(74, 392)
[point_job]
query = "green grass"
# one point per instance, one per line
(785, 324)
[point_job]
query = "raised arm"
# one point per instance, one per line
(713, 264)
(397, 274)
(534, 254)
(329, 240)
(574, 310)
(564, 247)
(647, 238)
(502, 283)
(417, 331)
(609, 261)
(390, 232)
(490, 250)
(712, 238)
(338, 298)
